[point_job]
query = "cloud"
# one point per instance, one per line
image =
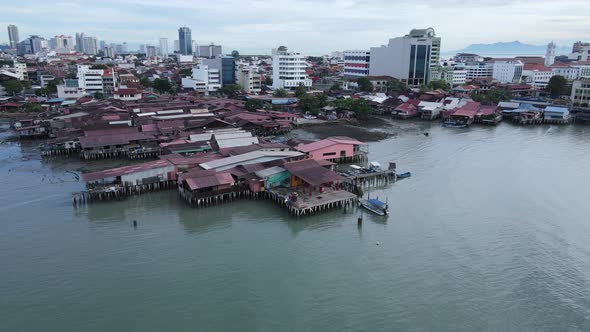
(320, 26)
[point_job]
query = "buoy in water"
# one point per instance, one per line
(135, 223)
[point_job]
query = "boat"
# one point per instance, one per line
(455, 124)
(376, 206)
(404, 175)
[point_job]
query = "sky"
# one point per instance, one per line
(312, 27)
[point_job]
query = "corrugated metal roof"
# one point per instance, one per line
(249, 157)
(269, 172)
(210, 181)
(119, 171)
(233, 142)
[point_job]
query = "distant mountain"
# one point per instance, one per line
(510, 49)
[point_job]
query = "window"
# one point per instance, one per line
(329, 154)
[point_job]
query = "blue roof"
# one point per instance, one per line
(55, 100)
(556, 109)
(68, 102)
(376, 202)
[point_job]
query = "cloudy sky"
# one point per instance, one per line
(314, 27)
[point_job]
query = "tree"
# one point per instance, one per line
(33, 107)
(41, 92)
(162, 85)
(312, 104)
(335, 87)
(26, 84)
(99, 96)
(235, 54)
(439, 84)
(360, 107)
(231, 90)
(145, 82)
(268, 80)
(282, 93)
(70, 76)
(99, 66)
(254, 104)
(52, 85)
(300, 91)
(493, 97)
(364, 84)
(317, 59)
(395, 85)
(185, 72)
(557, 86)
(12, 87)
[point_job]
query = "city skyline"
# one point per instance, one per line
(311, 27)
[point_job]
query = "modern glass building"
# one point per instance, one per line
(228, 70)
(185, 41)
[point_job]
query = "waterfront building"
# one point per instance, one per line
(581, 93)
(288, 69)
(550, 55)
(537, 75)
(356, 63)
(407, 58)
(164, 48)
(509, 71)
(185, 41)
(559, 115)
(452, 75)
(13, 37)
(335, 149)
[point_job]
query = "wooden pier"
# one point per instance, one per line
(118, 192)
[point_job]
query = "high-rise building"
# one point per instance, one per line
(80, 41)
(209, 51)
(176, 46)
(37, 43)
(550, 55)
(63, 43)
(90, 45)
(102, 44)
(164, 47)
(150, 51)
(356, 63)
(109, 52)
(185, 41)
(408, 58)
(288, 69)
(142, 48)
(13, 36)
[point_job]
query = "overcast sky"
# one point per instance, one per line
(313, 27)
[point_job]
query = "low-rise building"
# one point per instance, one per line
(452, 75)
(509, 71)
(203, 79)
(581, 93)
(249, 78)
(537, 75)
(127, 94)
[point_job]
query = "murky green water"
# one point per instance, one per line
(491, 233)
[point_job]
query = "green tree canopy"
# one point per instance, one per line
(335, 87)
(300, 91)
(33, 107)
(99, 66)
(185, 72)
(145, 82)
(231, 90)
(52, 85)
(312, 104)
(13, 87)
(395, 85)
(268, 80)
(439, 84)
(254, 104)
(162, 85)
(493, 97)
(235, 54)
(557, 86)
(360, 107)
(280, 93)
(364, 84)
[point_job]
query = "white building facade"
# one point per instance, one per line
(288, 69)
(90, 79)
(164, 48)
(203, 79)
(581, 93)
(249, 78)
(452, 75)
(356, 63)
(508, 71)
(407, 58)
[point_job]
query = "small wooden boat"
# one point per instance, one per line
(376, 206)
(455, 124)
(404, 175)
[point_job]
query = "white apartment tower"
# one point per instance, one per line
(408, 58)
(550, 55)
(288, 69)
(164, 48)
